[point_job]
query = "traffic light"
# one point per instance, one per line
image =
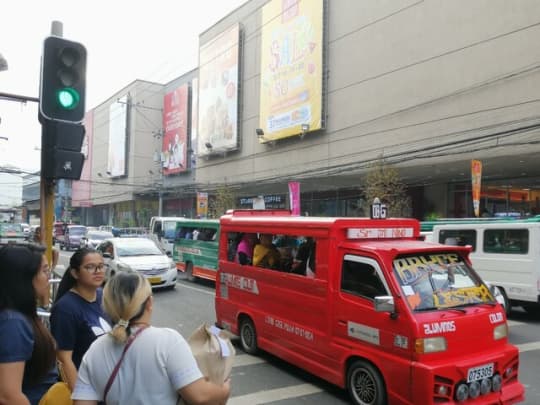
(62, 157)
(63, 80)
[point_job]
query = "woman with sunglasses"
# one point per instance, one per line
(27, 357)
(77, 318)
(138, 363)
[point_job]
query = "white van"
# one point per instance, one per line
(505, 254)
(163, 231)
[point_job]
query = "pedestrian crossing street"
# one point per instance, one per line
(300, 390)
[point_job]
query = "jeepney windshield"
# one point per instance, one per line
(439, 281)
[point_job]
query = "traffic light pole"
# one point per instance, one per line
(46, 204)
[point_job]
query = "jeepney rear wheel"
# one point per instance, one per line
(189, 272)
(365, 384)
(248, 336)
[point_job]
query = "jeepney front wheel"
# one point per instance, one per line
(365, 384)
(248, 336)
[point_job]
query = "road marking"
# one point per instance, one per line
(247, 360)
(527, 347)
(278, 394)
(212, 293)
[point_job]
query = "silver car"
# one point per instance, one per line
(142, 255)
(92, 239)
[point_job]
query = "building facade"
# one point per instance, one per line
(316, 92)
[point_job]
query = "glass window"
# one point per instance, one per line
(508, 241)
(438, 281)
(458, 237)
(361, 279)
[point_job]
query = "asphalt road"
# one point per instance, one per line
(267, 380)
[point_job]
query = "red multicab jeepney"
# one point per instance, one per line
(374, 310)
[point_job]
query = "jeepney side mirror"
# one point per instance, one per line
(385, 303)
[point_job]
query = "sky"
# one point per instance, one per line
(154, 40)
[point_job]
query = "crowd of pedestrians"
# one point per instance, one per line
(91, 330)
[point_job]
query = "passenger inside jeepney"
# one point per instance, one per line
(265, 254)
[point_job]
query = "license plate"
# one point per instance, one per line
(154, 280)
(479, 373)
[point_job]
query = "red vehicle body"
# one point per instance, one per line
(390, 343)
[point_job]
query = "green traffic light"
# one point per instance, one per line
(68, 98)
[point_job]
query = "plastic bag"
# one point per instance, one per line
(214, 352)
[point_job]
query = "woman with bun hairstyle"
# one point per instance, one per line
(157, 365)
(27, 360)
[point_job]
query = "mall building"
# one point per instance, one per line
(316, 92)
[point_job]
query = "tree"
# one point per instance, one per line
(383, 181)
(223, 200)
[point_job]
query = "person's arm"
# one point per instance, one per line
(70, 371)
(11, 378)
(84, 402)
(203, 392)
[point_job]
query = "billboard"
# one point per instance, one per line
(291, 68)
(194, 120)
(116, 162)
(218, 93)
(175, 119)
(80, 190)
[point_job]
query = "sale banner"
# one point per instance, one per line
(294, 197)
(476, 178)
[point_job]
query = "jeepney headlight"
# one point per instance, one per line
(474, 389)
(462, 392)
(430, 345)
(496, 383)
(500, 331)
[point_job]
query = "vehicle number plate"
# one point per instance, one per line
(479, 373)
(154, 280)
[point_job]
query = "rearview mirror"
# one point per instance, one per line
(384, 303)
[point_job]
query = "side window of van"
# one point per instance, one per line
(508, 241)
(361, 279)
(458, 237)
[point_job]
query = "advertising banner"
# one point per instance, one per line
(175, 116)
(291, 68)
(80, 190)
(194, 120)
(202, 205)
(116, 162)
(294, 197)
(218, 93)
(476, 177)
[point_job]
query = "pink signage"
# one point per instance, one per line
(294, 196)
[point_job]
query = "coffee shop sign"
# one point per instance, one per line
(268, 199)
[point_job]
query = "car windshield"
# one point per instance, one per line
(439, 281)
(137, 247)
(99, 235)
(10, 227)
(77, 230)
